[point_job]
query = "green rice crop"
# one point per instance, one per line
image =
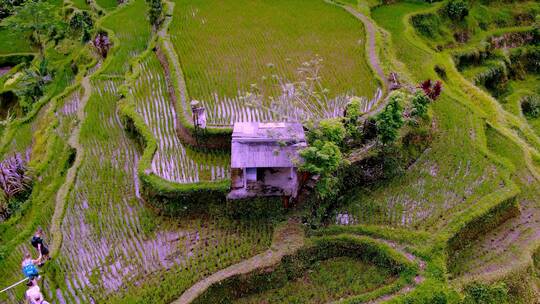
(224, 47)
(329, 280)
(132, 30)
(173, 160)
(105, 252)
(12, 42)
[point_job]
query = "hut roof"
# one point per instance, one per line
(266, 145)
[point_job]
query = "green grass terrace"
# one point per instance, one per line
(225, 47)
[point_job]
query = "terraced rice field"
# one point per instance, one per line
(451, 175)
(42, 199)
(103, 252)
(453, 178)
(12, 42)
(327, 281)
(173, 160)
(133, 33)
(81, 4)
(225, 47)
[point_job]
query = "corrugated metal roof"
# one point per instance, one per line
(266, 145)
(277, 131)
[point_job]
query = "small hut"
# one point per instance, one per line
(265, 159)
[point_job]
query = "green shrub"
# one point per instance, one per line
(456, 10)
(322, 158)
(390, 120)
(420, 104)
(478, 293)
(427, 24)
(331, 130)
(530, 105)
(155, 12)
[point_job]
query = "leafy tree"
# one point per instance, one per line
(353, 112)
(322, 158)
(420, 103)
(155, 12)
(390, 120)
(35, 18)
(530, 105)
(82, 22)
(33, 81)
(331, 129)
(478, 293)
(457, 10)
(7, 7)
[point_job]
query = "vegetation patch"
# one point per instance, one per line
(294, 278)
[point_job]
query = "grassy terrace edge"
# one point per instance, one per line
(497, 206)
(177, 87)
(320, 247)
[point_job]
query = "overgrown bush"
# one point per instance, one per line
(81, 22)
(102, 44)
(331, 129)
(456, 10)
(431, 90)
(155, 12)
(530, 105)
(420, 104)
(427, 24)
(478, 293)
(390, 120)
(31, 87)
(352, 114)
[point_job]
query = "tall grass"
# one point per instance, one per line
(13, 42)
(107, 4)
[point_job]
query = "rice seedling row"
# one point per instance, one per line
(102, 252)
(172, 161)
(224, 48)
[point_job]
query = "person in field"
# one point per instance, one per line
(29, 268)
(34, 296)
(41, 247)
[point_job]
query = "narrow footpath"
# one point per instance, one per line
(73, 141)
(287, 240)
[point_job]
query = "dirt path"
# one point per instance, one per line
(174, 62)
(61, 196)
(372, 56)
(287, 240)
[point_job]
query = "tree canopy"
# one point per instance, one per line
(390, 120)
(35, 19)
